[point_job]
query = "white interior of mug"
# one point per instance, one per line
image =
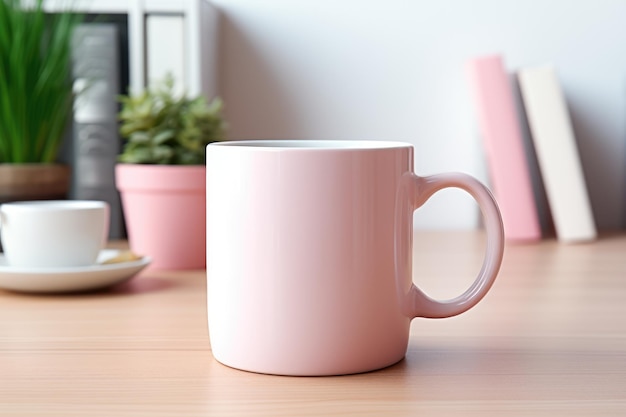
(315, 144)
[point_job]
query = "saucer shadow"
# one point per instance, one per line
(140, 285)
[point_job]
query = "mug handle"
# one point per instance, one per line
(414, 191)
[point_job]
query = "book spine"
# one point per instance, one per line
(202, 30)
(557, 154)
(96, 141)
(165, 49)
(503, 143)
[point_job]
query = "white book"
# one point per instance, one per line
(165, 49)
(557, 154)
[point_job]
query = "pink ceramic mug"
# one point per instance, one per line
(309, 248)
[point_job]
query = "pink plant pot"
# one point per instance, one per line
(165, 213)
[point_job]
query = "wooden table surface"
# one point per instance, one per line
(548, 340)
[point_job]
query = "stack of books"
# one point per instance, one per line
(554, 145)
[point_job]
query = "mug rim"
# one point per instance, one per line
(311, 144)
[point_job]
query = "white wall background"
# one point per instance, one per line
(394, 70)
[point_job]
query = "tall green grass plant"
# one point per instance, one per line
(35, 80)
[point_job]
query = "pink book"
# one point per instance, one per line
(506, 158)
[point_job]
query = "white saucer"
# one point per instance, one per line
(70, 279)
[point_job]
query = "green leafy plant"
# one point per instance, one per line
(35, 80)
(163, 128)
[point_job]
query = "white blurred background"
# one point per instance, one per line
(395, 70)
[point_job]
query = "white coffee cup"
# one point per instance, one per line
(53, 234)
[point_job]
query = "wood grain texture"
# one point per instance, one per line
(549, 339)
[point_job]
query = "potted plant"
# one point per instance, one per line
(35, 99)
(161, 175)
